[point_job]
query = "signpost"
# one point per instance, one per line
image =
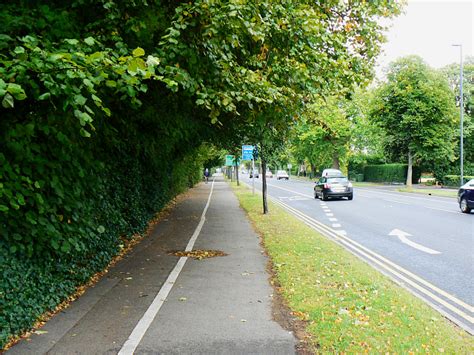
(229, 160)
(247, 152)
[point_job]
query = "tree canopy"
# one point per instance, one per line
(415, 107)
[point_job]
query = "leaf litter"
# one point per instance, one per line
(198, 253)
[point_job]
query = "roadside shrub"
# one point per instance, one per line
(455, 180)
(389, 173)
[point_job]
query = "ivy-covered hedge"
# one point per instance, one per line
(65, 207)
(64, 219)
(389, 173)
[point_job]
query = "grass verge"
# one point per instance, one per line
(348, 307)
(366, 184)
(432, 192)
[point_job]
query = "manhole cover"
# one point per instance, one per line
(198, 254)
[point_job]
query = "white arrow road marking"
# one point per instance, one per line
(403, 238)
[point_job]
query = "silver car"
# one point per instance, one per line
(333, 186)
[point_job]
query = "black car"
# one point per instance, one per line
(466, 197)
(333, 186)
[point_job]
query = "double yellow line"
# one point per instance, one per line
(418, 286)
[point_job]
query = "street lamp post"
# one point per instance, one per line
(461, 109)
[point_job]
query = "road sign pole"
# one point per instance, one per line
(253, 176)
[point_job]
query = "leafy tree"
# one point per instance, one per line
(323, 135)
(415, 107)
(105, 106)
(452, 73)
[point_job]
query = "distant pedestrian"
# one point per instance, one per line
(206, 175)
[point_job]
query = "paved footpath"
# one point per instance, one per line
(214, 306)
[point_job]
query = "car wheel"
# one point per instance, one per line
(463, 206)
(350, 197)
(315, 194)
(324, 196)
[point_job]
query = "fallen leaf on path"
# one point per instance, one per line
(39, 332)
(182, 299)
(198, 254)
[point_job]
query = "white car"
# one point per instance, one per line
(332, 172)
(269, 174)
(282, 174)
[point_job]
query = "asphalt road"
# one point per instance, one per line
(423, 242)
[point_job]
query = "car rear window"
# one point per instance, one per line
(337, 179)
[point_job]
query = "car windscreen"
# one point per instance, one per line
(341, 179)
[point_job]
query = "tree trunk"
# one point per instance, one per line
(237, 173)
(335, 161)
(410, 169)
(313, 170)
(264, 180)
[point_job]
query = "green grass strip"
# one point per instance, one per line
(432, 192)
(348, 306)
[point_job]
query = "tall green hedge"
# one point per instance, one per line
(71, 217)
(65, 213)
(389, 173)
(455, 180)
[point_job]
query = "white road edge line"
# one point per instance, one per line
(144, 323)
(395, 194)
(295, 192)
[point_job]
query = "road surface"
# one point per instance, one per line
(423, 242)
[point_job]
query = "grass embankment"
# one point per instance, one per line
(347, 305)
(432, 192)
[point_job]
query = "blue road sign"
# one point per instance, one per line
(247, 152)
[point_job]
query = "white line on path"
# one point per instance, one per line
(333, 219)
(329, 214)
(142, 326)
(336, 225)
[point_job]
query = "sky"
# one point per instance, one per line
(428, 28)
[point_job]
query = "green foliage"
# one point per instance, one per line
(452, 74)
(389, 173)
(358, 161)
(322, 136)
(416, 110)
(454, 180)
(105, 105)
